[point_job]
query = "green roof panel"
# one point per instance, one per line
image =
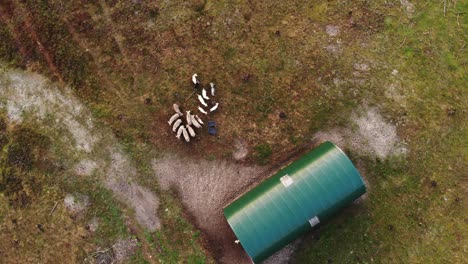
(277, 211)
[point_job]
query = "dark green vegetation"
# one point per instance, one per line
(33, 226)
(20, 154)
(266, 57)
(263, 153)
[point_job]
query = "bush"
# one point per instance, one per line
(262, 153)
(22, 150)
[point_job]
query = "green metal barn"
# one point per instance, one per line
(294, 200)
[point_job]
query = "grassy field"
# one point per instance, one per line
(315, 61)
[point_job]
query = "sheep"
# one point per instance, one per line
(195, 80)
(212, 89)
(199, 120)
(179, 132)
(176, 108)
(190, 130)
(188, 118)
(202, 110)
(186, 135)
(204, 94)
(195, 122)
(173, 118)
(176, 125)
(214, 107)
(200, 98)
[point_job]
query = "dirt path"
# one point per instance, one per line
(29, 97)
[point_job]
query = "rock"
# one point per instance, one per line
(93, 224)
(409, 7)
(332, 30)
(361, 67)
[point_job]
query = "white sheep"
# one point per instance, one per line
(195, 122)
(200, 98)
(204, 94)
(179, 132)
(176, 108)
(202, 110)
(186, 135)
(212, 89)
(195, 79)
(214, 107)
(199, 120)
(173, 118)
(190, 130)
(188, 118)
(176, 125)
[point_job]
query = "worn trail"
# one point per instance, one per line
(29, 97)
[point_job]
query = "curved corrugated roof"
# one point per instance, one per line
(294, 199)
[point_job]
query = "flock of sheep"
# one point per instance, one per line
(206, 102)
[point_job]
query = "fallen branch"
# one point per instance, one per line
(402, 43)
(445, 6)
(189, 97)
(51, 211)
(102, 251)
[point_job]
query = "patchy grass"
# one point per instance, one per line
(28, 193)
(414, 211)
(183, 245)
(178, 241)
(118, 54)
(22, 154)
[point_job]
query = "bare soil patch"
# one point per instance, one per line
(368, 134)
(205, 187)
